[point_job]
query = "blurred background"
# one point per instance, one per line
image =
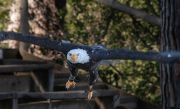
(92, 22)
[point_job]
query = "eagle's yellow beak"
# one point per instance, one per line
(74, 57)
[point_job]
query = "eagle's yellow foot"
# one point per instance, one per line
(90, 95)
(69, 83)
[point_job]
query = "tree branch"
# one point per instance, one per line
(121, 7)
(107, 25)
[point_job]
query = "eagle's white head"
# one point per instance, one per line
(78, 56)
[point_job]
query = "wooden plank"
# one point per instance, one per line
(57, 95)
(46, 95)
(25, 68)
(15, 103)
(60, 104)
(11, 83)
(18, 62)
(80, 86)
(7, 96)
(65, 94)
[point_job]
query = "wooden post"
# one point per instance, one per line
(15, 103)
(50, 103)
(51, 85)
(51, 80)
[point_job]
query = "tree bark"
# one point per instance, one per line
(170, 40)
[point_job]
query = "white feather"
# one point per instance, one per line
(82, 58)
(108, 62)
(63, 41)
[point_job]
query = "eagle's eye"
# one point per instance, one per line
(70, 54)
(78, 54)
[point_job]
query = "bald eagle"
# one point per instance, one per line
(89, 58)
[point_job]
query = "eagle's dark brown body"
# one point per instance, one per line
(86, 66)
(91, 67)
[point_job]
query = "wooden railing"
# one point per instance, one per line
(43, 76)
(54, 95)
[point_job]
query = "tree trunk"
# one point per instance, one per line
(170, 40)
(24, 26)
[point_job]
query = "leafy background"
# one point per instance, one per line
(93, 23)
(4, 13)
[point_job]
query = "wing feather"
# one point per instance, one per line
(97, 53)
(165, 57)
(41, 41)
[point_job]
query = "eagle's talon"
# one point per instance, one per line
(90, 95)
(69, 83)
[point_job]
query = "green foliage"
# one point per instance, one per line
(62, 12)
(4, 13)
(3, 19)
(93, 23)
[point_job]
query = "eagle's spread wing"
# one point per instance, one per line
(63, 47)
(97, 52)
(165, 57)
(98, 46)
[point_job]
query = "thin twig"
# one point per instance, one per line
(116, 70)
(107, 24)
